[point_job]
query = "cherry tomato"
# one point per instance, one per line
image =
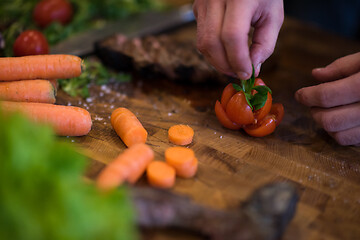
(262, 128)
(223, 118)
(277, 110)
(238, 110)
(262, 112)
(30, 42)
(48, 11)
(227, 93)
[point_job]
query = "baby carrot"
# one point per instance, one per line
(40, 67)
(128, 166)
(160, 174)
(65, 120)
(181, 134)
(28, 91)
(128, 127)
(183, 160)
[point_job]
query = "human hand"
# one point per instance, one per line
(335, 104)
(222, 33)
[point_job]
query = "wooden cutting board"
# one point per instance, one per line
(232, 164)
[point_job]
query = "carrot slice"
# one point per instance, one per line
(181, 134)
(160, 174)
(128, 127)
(223, 118)
(40, 67)
(188, 170)
(182, 159)
(128, 166)
(65, 120)
(28, 91)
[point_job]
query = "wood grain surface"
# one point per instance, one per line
(232, 164)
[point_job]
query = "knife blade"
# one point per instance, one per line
(135, 26)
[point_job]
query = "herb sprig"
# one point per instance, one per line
(257, 100)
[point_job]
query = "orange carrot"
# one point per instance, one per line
(65, 120)
(40, 67)
(181, 134)
(183, 160)
(54, 82)
(128, 166)
(128, 127)
(160, 174)
(28, 91)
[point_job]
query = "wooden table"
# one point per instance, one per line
(232, 164)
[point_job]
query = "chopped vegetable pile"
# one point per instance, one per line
(43, 193)
(95, 73)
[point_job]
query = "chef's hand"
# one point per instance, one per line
(222, 33)
(335, 104)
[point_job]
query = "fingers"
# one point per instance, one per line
(234, 35)
(338, 118)
(208, 36)
(347, 137)
(331, 94)
(265, 35)
(340, 68)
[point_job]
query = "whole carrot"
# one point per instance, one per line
(65, 120)
(128, 166)
(128, 127)
(28, 91)
(39, 67)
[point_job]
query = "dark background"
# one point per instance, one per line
(337, 16)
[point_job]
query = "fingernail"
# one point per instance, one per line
(243, 75)
(258, 68)
(318, 69)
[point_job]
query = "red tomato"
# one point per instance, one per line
(48, 11)
(262, 128)
(277, 110)
(30, 42)
(228, 92)
(262, 112)
(238, 110)
(223, 118)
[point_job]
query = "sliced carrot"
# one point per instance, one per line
(28, 91)
(188, 170)
(182, 159)
(40, 67)
(65, 120)
(223, 118)
(160, 174)
(128, 127)
(128, 166)
(181, 134)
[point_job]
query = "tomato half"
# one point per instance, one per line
(48, 11)
(277, 110)
(223, 118)
(238, 110)
(262, 128)
(30, 42)
(227, 93)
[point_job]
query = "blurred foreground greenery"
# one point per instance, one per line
(43, 194)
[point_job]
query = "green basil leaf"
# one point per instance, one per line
(262, 89)
(237, 87)
(258, 100)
